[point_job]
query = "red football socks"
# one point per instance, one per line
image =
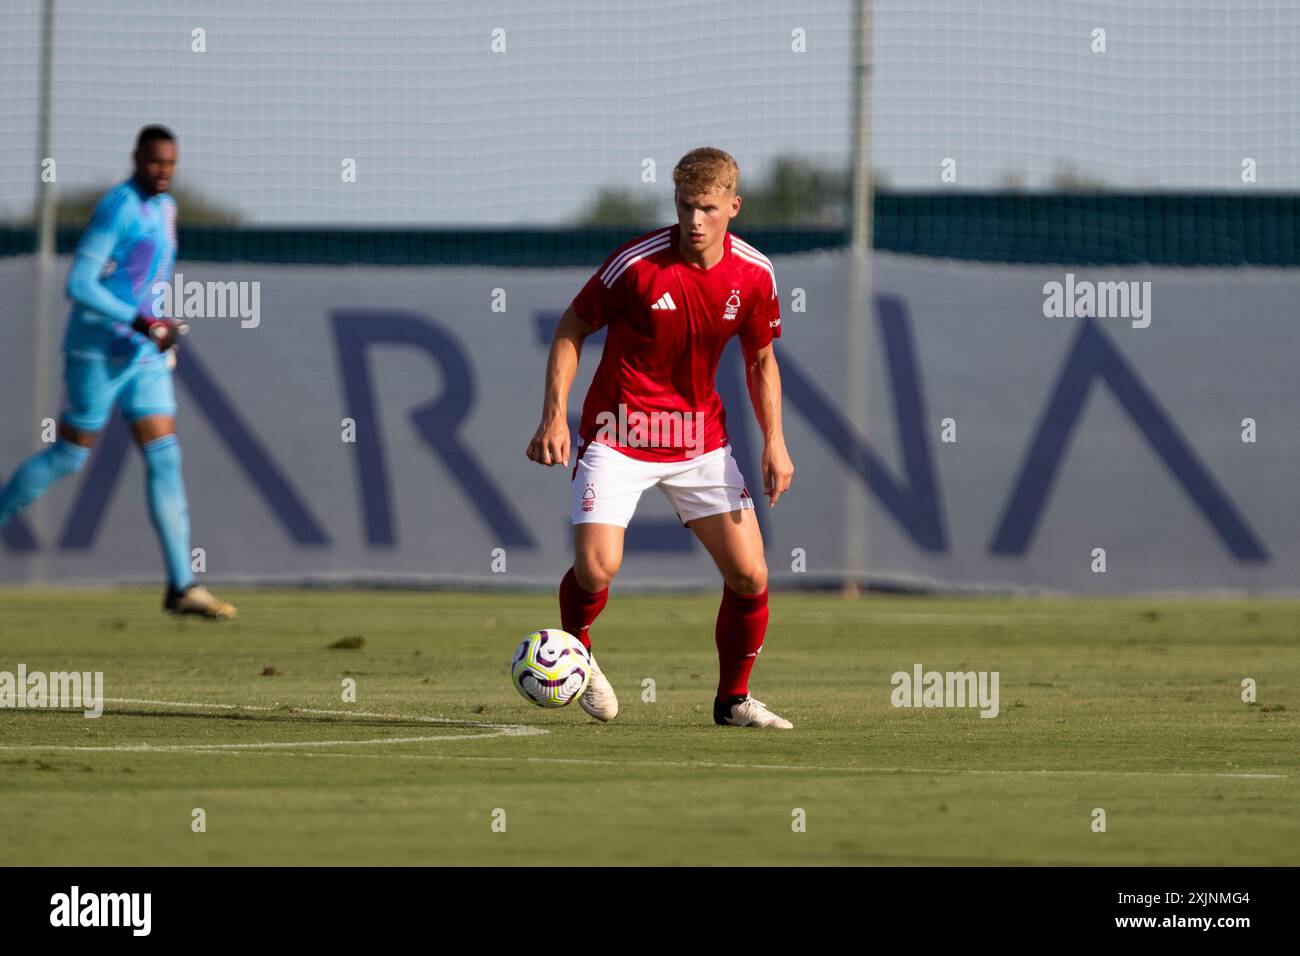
(578, 608)
(742, 623)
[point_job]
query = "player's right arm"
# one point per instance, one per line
(550, 444)
(598, 303)
(93, 252)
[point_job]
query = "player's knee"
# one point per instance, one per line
(81, 437)
(594, 572)
(151, 428)
(750, 580)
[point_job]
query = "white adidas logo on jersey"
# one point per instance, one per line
(665, 301)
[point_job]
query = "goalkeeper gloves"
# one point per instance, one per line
(161, 332)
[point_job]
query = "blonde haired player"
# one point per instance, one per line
(671, 300)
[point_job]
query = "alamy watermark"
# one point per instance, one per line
(1082, 299)
(635, 429)
(77, 690)
(179, 299)
(922, 688)
(75, 908)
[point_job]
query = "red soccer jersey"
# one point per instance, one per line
(653, 397)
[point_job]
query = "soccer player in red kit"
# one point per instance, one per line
(670, 301)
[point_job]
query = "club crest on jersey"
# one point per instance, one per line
(733, 306)
(588, 499)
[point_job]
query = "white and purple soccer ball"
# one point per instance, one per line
(550, 668)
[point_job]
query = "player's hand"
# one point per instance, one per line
(163, 333)
(778, 470)
(550, 444)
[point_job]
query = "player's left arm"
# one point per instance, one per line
(763, 378)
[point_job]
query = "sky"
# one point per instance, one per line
(445, 130)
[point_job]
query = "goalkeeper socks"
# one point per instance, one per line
(168, 508)
(578, 608)
(742, 624)
(37, 473)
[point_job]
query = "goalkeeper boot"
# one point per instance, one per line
(196, 599)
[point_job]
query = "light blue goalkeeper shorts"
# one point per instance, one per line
(94, 384)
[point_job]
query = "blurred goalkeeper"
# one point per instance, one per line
(117, 351)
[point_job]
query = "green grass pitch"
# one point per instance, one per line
(1133, 706)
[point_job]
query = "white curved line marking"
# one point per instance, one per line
(494, 730)
(524, 730)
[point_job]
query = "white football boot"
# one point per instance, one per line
(598, 699)
(748, 713)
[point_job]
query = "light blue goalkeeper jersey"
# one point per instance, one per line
(129, 245)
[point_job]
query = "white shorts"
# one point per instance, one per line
(607, 485)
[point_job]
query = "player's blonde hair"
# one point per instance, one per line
(705, 169)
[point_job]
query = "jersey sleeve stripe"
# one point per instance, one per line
(761, 263)
(640, 254)
(737, 241)
(630, 251)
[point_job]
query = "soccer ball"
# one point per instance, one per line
(551, 668)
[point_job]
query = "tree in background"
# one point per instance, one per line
(614, 206)
(1068, 179)
(795, 192)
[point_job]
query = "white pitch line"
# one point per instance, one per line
(496, 730)
(692, 765)
(305, 710)
(525, 730)
(269, 745)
